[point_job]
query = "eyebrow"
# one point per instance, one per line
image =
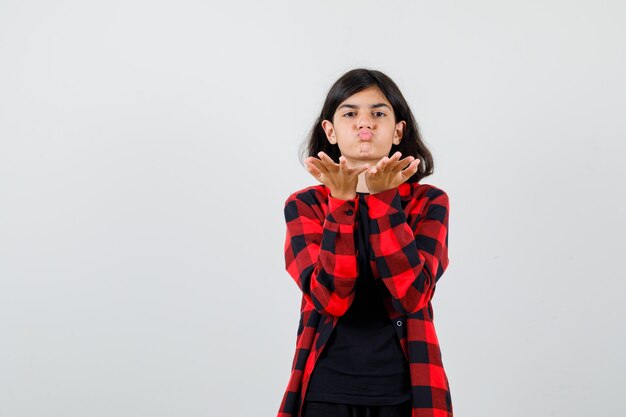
(373, 106)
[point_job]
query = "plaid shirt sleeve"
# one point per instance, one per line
(320, 250)
(410, 255)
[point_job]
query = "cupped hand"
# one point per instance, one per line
(390, 172)
(339, 178)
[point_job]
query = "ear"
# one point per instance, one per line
(397, 134)
(329, 129)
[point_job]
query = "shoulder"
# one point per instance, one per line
(424, 200)
(422, 192)
(311, 201)
(311, 195)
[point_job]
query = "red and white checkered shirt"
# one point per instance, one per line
(409, 241)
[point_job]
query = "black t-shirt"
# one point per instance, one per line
(362, 362)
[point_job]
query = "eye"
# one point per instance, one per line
(379, 114)
(349, 114)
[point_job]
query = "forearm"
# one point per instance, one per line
(320, 255)
(409, 260)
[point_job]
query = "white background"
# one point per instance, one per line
(147, 148)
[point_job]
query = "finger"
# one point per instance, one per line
(313, 170)
(326, 159)
(362, 168)
(396, 156)
(318, 164)
(395, 160)
(411, 169)
(310, 159)
(398, 166)
(310, 165)
(380, 166)
(389, 164)
(404, 163)
(343, 163)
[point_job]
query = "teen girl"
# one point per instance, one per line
(366, 247)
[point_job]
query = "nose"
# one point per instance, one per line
(364, 121)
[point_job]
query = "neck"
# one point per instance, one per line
(361, 186)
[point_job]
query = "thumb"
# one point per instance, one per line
(362, 168)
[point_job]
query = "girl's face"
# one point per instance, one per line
(364, 127)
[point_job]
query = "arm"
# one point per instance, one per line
(410, 260)
(320, 252)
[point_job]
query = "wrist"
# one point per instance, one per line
(343, 196)
(375, 191)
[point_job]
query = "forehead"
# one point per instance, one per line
(370, 95)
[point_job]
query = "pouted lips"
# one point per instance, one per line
(365, 135)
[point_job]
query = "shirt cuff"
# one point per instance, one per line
(342, 211)
(384, 203)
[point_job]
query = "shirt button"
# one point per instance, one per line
(349, 212)
(399, 323)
